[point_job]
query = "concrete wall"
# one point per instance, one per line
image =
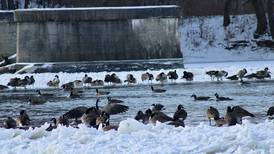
(7, 34)
(92, 35)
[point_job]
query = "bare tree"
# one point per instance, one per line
(227, 6)
(270, 17)
(261, 18)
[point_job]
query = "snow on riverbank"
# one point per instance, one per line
(198, 69)
(134, 137)
(203, 39)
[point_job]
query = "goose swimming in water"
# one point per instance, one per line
(157, 90)
(200, 98)
(221, 98)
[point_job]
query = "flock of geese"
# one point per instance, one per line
(99, 116)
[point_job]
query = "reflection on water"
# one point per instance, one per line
(256, 98)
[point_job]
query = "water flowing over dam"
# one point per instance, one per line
(98, 34)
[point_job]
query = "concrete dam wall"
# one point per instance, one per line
(98, 34)
(7, 34)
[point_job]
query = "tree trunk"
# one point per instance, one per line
(270, 17)
(227, 6)
(261, 18)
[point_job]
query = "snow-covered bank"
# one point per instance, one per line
(198, 70)
(203, 39)
(133, 137)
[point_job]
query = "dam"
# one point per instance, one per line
(98, 34)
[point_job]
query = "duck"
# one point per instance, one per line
(87, 80)
(55, 82)
(22, 119)
(9, 123)
(130, 79)
(111, 100)
(157, 90)
(221, 98)
(75, 113)
(100, 93)
(270, 111)
(200, 98)
(147, 76)
(162, 77)
(188, 76)
(172, 75)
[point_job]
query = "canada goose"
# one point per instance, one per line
(143, 117)
(212, 113)
(157, 90)
(233, 77)
(9, 123)
(103, 120)
(159, 116)
(241, 74)
(111, 108)
(115, 79)
(220, 121)
(147, 76)
(270, 111)
(157, 107)
(180, 113)
(217, 74)
(44, 94)
(55, 82)
(76, 113)
(2, 87)
(37, 100)
(31, 80)
(130, 79)
(87, 80)
(97, 83)
(230, 118)
(188, 76)
(53, 124)
(172, 75)
(111, 100)
(14, 82)
(107, 79)
(200, 98)
(162, 77)
(77, 83)
(24, 82)
(22, 119)
(62, 120)
(68, 86)
(221, 98)
(240, 112)
(99, 93)
(263, 74)
(89, 117)
(73, 94)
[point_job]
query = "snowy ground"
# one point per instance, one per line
(134, 137)
(204, 39)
